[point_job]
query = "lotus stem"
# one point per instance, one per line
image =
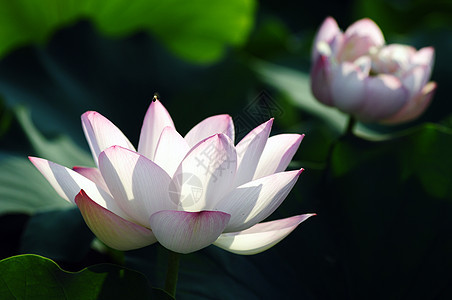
(350, 125)
(172, 273)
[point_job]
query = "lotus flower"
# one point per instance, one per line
(357, 73)
(184, 192)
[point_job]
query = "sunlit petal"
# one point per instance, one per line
(139, 186)
(205, 175)
(68, 184)
(210, 126)
(277, 154)
(254, 201)
(186, 232)
(156, 119)
(101, 134)
(260, 237)
(249, 151)
(171, 149)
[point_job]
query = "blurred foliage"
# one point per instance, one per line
(405, 16)
(34, 277)
(382, 197)
(194, 34)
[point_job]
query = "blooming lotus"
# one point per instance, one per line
(184, 192)
(356, 72)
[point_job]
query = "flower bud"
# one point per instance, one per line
(359, 74)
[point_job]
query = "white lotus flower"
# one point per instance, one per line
(184, 192)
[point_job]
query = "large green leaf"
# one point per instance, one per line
(191, 30)
(36, 277)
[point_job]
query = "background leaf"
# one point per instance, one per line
(33, 277)
(188, 29)
(60, 150)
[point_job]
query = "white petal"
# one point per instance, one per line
(385, 95)
(111, 229)
(347, 87)
(101, 134)
(94, 175)
(249, 151)
(359, 40)
(424, 56)
(415, 107)
(277, 154)
(416, 79)
(210, 126)
(260, 237)
(139, 186)
(186, 232)
(156, 119)
(254, 201)
(171, 149)
(366, 28)
(205, 175)
(68, 184)
(326, 33)
(320, 80)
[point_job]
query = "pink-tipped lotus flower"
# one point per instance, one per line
(184, 192)
(357, 73)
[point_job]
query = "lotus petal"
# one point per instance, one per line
(101, 134)
(254, 201)
(249, 151)
(210, 126)
(156, 119)
(68, 184)
(385, 95)
(205, 175)
(139, 186)
(110, 228)
(171, 149)
(260, 237)
(186, 232)
(277, 154)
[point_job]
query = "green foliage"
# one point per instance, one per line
(404, 16)
(36, 277)
(189, 29)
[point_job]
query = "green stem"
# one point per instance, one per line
(350, 125)
(172, 273)
(347, 133)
